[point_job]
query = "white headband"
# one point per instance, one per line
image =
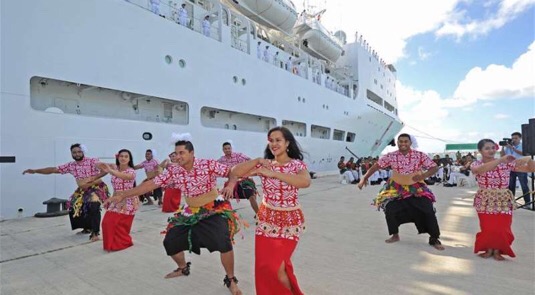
(414, 142)
(83, 148)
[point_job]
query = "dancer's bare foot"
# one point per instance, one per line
(394, 238)
(498, 256)
(232, 285)
(174, 274)
(435, 242)
(234, 289)
(487, 254)
(94, 237)
(438, 247)
(181, 271)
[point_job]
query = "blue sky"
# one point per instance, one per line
(466, 69)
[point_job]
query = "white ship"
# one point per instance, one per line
(115, 74)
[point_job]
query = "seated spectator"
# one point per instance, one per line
(347, 176)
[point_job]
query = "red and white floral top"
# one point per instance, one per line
(80, 169)
(278, 193)
(412, 162)
(130, 205)
(281, 224)
(200, 180)
(497, 178)
(234, 159)
(150, 166)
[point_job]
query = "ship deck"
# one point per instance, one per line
(342, 252)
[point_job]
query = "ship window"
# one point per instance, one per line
(243, 82)
(320, 132)
(226, 119)
(182, 63)
(297, 128)
(168, 59)
(338, 135)
(235, 79)
(66, 97)
(374, 97)
(147, 136)
(350, 137)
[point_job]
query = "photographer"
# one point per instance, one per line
(513, 146)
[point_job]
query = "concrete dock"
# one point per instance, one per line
(342, 252)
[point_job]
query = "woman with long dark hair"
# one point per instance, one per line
(280, 220)
(494, 202)
(119, 216)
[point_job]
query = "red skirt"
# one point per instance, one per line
(270, 253)
(495, 233)
(116, 231)
(171, 200)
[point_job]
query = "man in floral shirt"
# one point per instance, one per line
(405, 198)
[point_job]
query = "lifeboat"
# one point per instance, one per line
(275, 14)
(317, 41)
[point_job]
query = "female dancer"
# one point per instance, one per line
(494, 202)
(119, 216)
(280, 219)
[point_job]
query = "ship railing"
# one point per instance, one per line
(197, 10)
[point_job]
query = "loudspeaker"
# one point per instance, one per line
(528, 137)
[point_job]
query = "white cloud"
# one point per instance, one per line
(460, 25)
(422, 54)
(426, 113)
(498, 81)
(387, 25)
(501, 116)
(488, 104)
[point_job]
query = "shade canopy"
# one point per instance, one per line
(461, 146)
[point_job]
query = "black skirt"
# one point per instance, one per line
(211, 233)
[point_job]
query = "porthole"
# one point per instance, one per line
(182, 63)
(168, 59)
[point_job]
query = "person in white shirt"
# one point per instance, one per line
(183, 15)
(267, 58)
(206, 26)
(259, 50)
(155, 6)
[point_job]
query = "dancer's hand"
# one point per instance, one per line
(228, 192)
(262, 171)
(362, 183)
(104, 167)
(507, 159)
(29, 171)
(264, 162)
(418, 178)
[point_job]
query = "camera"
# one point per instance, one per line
(505, 142)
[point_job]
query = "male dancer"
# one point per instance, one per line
(206, 221)
(245, 188)
(405, 197)
(84, 204)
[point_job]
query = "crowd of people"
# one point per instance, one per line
(208, 220)
(352, 171)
